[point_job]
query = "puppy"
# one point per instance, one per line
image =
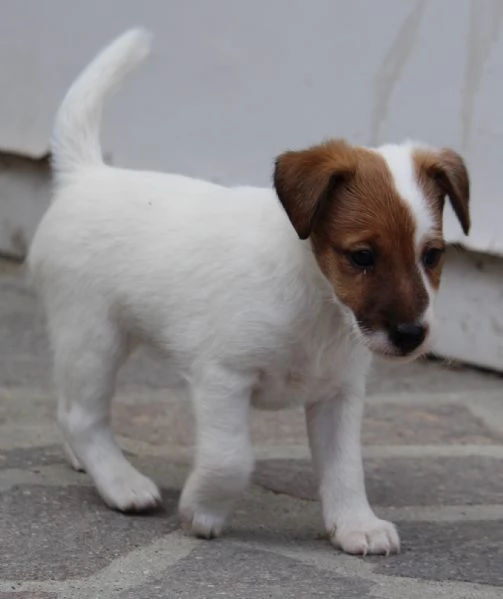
(255, 298)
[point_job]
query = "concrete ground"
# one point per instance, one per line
(434, 462)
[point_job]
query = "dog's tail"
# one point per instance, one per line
(75, 141)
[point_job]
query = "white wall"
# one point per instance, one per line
(233, 82)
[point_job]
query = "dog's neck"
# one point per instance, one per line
(313, 274)
(322, 298)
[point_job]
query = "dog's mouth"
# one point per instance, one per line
(380, 344)
(394, 355)
(403, 345)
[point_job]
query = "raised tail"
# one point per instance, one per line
(76, 135)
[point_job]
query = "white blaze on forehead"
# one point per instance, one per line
(400, 161)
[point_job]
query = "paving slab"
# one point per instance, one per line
(236, 572)
(55, 533)
(400, 482)
(444, 424)
(433, 438)
(462, 551)
(34, 595)
(163, 423)
(31, 458)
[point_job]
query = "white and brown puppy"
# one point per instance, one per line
(252, 301)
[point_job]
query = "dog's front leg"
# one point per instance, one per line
(334, 435)
(224, 459)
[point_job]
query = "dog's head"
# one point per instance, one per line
(374, 218)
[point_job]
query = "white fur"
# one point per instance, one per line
(399, 159)
(217, 281)
(76, 131)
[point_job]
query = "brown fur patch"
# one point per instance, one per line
(441, 173)
(358, 207)
(444, 173)
(303, 180)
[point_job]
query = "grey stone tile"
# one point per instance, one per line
(155, 422)
(221, 569)
(172, 423)
(292, 477)
(32, 458)
(159, 422)
(28, 595)
(435, 481)
(459, 551)
(395, 424)
(425, 375)
(59, 533)
(400, 482)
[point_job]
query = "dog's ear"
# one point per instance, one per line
(305, 180)
(450, 174)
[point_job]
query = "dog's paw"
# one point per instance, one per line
(201, 524)
(127, 490)
(367, 537)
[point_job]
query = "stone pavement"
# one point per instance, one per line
(434, 462)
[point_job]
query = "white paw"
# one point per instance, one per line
(202, 524)
(370, 536)
(127, 490)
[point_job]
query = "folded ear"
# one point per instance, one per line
(451, 176)
(304, 180)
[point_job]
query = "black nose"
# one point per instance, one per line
(408, 337)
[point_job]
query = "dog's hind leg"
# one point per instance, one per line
(86, 365)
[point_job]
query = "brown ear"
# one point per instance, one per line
(451, 175)
(303, 180)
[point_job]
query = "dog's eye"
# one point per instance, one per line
(362, 259)
(431, 257)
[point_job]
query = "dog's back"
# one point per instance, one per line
(108, 226)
